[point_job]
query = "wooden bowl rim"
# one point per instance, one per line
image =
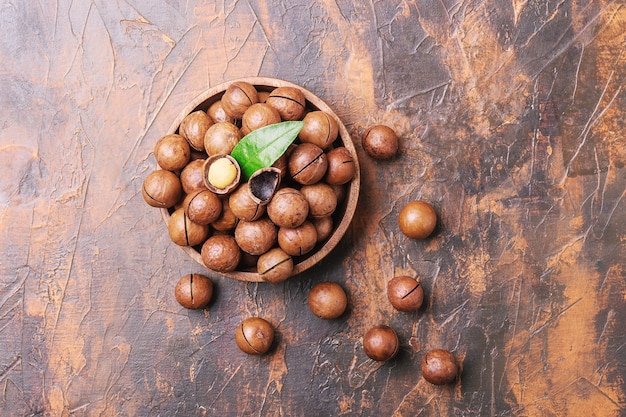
(352, 194)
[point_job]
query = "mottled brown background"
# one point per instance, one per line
(511, 114)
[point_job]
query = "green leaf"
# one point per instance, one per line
(262, 147)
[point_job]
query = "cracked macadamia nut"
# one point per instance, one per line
(288, 101)
(320, 129)
(243, 204)
(380, 142)
(275, 266)
(298, 240)
(341, 166)
(183, 231)
(327, 300)
(202, 207)
(193, 128)
(417, 220)
(161, 189)
(440, 367)
(307, 163)
(381, 343)
(288, 208)
(254, 336)
(238, 97)
(263, 184)
(194, 291)
(405, 293)
(221, 174)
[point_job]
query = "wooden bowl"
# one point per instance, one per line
(345, 210)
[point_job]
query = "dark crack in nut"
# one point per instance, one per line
(275, 266)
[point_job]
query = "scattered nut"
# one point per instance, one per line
(405, 293)
(194, 291)
(440, 367)
(417, 220)
(380, 142)
(327, 300)
(254, 336)
(381, 343)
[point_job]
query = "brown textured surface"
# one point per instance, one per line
(511, 115)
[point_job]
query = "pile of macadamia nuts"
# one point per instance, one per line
(266, 223)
